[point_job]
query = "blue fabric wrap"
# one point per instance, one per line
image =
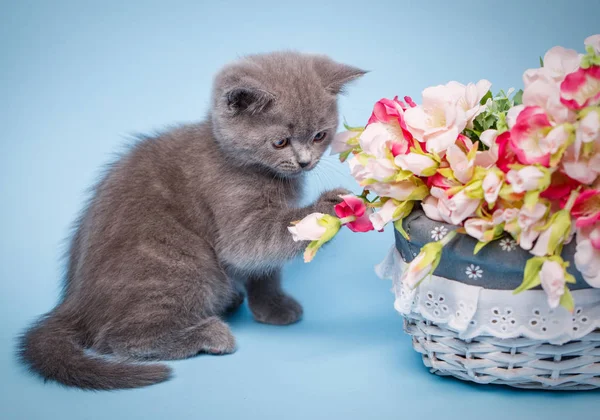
(499, 269)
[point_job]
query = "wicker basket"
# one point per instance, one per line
(477, 333)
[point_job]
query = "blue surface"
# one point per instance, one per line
(75, 80)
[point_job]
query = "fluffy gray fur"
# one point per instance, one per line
(186, 218)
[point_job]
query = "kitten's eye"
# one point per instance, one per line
(320, 136)
(280, 144)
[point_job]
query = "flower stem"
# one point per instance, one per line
(446, 239)
(347, 219)
(572, 198)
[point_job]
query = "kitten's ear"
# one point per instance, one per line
(247, 99)
(336, 76)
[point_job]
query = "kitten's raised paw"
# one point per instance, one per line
(327, 200)
(217, 337)
(276, 310)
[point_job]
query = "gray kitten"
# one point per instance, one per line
(183, 219)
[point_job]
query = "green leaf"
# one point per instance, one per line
(400, 214)
(479, 247)
(531, 275)
(344, 155)
(357, 129)
(501, 124)
(487, 96)
(567, 301)
(400, 228)
(541, 62)
(518, 98)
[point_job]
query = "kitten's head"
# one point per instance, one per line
(279, 110)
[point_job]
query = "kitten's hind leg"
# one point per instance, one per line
(161, 342)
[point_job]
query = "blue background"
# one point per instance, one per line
(77, 79)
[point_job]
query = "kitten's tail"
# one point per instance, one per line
(50, 349)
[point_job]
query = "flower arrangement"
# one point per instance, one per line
(520, 164)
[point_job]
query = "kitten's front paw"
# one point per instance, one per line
(329, 199)
(280, 309)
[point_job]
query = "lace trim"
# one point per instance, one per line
(473, 311)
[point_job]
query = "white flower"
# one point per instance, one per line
(525, 179)
(461, 165)
(461, 207)
(438, 233)
(431, 209)
(491, 187)
(374, 140)
(552, 276)
(477, 228)
(340, 142)
(512, 114)
(594, 42)
(474, 271)
(587, 257)
(384, 216)
(588, 130)
(418, 164)
(437, 122)
(308, 229)
(469, 97)
(508, 244)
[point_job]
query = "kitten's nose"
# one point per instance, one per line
(303, 164)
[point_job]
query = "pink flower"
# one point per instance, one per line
(587, 208)
(418, 164)
(410, 102)
(528, 137)
(506, 155)
(560, 187)
(379, 138)
(437, 122)
(391, 112)
(352, 206)
(594, 42)
(581, 88)
(552, 277)
(440, 181)
(387, 110)
(525, 179)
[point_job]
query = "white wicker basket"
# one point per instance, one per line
(492, 336)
